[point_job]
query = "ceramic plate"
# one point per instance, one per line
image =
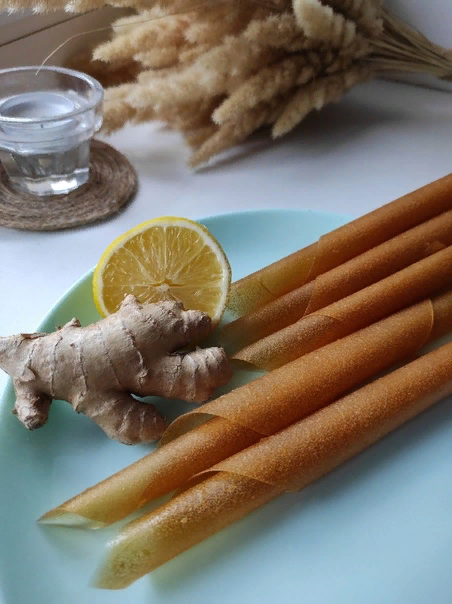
(378, 530)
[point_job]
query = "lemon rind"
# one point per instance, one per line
(163, 221)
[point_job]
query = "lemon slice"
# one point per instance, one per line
(167, 258)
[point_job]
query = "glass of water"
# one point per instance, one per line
(48, 117)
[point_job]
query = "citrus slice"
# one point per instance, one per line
(167, 258)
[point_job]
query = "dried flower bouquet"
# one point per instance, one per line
(218, 70)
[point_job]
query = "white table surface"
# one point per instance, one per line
(385, 139)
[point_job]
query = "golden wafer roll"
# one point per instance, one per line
(346, 279)
(287, 461)
(341, 245)
(152, 476)
(351, 313)
(260, 408)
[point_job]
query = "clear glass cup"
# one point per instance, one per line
(48, 117)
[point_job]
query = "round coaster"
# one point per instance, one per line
(112, 184)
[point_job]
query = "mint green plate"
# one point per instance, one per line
(378, 530)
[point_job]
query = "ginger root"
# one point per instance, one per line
(98, 367)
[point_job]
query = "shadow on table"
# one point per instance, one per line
(320, 132)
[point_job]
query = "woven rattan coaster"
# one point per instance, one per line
(112, 184)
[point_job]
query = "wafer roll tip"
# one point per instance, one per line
(60, 518)
(116, 573)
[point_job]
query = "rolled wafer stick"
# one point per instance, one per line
(260, 408)
(344, 280)
(351, 313)
(287, 461)
(154, 475)
(341, 245)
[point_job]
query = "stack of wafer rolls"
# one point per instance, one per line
(258, 409)
(286, 461)
(351, 313)
(340, 245)
(346, 279)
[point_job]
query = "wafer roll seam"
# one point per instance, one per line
(341, 245)
(258, 409)
(285, 395)
(287, 461)
(346, 279)
(351, 313)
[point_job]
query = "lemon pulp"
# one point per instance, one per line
(167, 258)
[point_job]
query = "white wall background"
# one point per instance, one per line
(28, 40)
(433, 17)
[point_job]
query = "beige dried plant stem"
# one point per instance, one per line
(288, 461)
(365, 13)
(264, 86)
(340, 245)
(320, 22)
(125, 22)
(232, 133)
(318, 93)
(282, 29)
(260, 408)
(402, 48)
(346, 279)
(146, 36)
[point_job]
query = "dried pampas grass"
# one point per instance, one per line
(217, 70)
